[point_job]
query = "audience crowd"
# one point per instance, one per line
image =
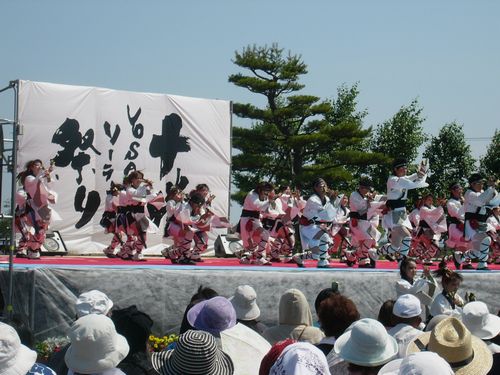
(220, 335)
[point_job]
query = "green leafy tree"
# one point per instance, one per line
(490, 162)
(399, 137)
(292, 137)
(449, 158)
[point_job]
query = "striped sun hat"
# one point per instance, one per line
(196, 353)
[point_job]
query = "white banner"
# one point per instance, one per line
(97, 135)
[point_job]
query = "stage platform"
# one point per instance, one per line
(46, 290)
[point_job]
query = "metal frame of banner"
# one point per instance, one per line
(14, 85)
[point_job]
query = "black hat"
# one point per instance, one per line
(475, 177)
(399, 162)
(197, 198)
(366, 182)
(135, 325)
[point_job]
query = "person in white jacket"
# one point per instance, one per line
(476, 215)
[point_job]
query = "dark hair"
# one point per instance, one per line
(447, 274)
(324, 294)
(27, 170)
(202, 294)
(201, 186)
(264, 186)
(364, 370)
(402, 267)
(385, 315)
(134, 325)
(174, 190)
(336, 314)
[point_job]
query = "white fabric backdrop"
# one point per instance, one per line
(57, 123)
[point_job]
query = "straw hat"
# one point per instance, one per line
(95, 345)
(245, 303)
(15, 358)
(479, 321)
(366, 343)
(466, 354)
(196, 352)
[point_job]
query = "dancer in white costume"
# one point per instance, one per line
(316, 223)
(476, 215)
(396, 220)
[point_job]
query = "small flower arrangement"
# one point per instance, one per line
(157, 344)
(49, 346)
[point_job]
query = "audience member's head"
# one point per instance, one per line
(336, 314)
(95, 345)
(213, 315)
(93, 302)
(15, 358)
(300, 358)
(450, 339)
(272, 355)
(479, 321)
(407, 310)
(423, 363)
(366, 346)
(385, 315)
(244, 302)
(294, 309)
(203, 293)
(196, 352)
(134, 325)
(324, 294)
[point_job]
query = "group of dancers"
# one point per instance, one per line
(332, 224)
(328, 224)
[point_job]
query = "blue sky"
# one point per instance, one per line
(445, 53)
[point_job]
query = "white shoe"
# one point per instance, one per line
(138, 257)
(33, 254)
(245, 260)
(262, 262)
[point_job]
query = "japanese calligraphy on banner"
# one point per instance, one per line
(96, 135)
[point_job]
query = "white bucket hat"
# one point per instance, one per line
(245, 303)
(95, 345)
(423, 363)
(366, 343)
(407, 306)
(93, 302)
(300, 358)
(479, 321)
(15, 358)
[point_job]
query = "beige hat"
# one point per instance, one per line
(465, 353)
(245, 303)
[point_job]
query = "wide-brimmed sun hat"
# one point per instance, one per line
(300, 358)
(196, 352)
(465, 353)
(366, 343)
(479, 321)
(95, 345)
(422, 363)
(15, 358)
(245, 303)
(213, 315)
(93, 302)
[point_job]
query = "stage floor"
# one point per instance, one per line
(45, 290)
(208, 262)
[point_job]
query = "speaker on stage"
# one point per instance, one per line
(53, 244)
(226, 244)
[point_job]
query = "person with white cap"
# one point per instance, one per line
(16, 358)
(451, 340)
(300, 358)
(93, 302)
(244, 302)
(90, 302)
(96, 348)
(406, 311)
(481, 323)
(422, 363)
(366, 346)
